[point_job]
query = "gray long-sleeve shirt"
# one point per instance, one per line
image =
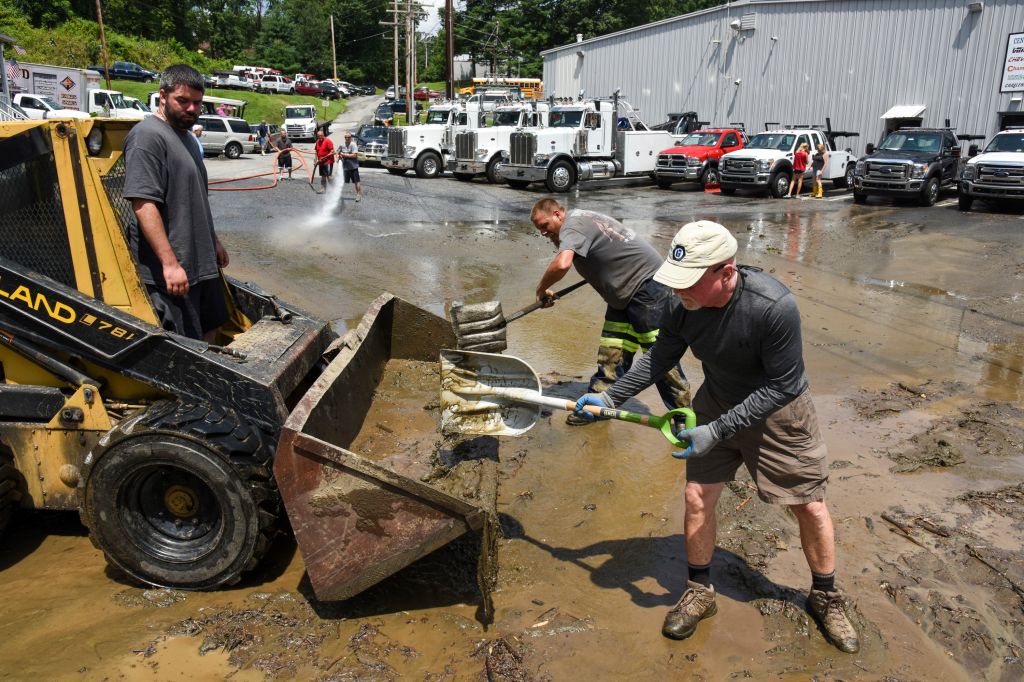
(751, 352)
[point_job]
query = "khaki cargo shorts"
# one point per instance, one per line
(785, 454)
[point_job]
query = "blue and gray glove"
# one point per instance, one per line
(701, 438)
(599, 399)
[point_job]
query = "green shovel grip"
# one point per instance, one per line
(663, 423)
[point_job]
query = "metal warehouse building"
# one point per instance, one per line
(868, 65)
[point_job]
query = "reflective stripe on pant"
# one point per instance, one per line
(636, 328)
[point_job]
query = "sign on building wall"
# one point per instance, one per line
(1013, 68)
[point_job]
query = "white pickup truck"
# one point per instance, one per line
(765, 164)
(479, 151)
(40, 107)
(995, 174)
(279, 84)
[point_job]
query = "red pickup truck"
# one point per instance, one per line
(695, 158)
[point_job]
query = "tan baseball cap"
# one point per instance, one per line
(696, 247)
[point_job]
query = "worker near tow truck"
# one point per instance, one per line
(754, 409)
(621, 268)
(324, 150)
(177, 250)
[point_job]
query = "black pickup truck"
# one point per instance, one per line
(910, 162)
(129, 71)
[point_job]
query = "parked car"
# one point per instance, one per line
(129, 71)
(696, 157)
(230, 136)
(911, 162)
(279, 84)
(308, 88)
(425, 93)
(272, 131)
(329, 90)
(372, 141)
(390, 93)
(384, 115)
(398, 106)
(233, 81)
(369, 89)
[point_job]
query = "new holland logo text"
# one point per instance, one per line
(39, 302)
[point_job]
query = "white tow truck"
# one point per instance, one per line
(765, 164)
(584, 140)
(300, 121)
(426, 147)
(478, 152)
(997, 173)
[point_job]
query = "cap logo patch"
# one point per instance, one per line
(678, 253)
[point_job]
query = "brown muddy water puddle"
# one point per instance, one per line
(590, 554)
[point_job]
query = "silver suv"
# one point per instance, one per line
(232, 136)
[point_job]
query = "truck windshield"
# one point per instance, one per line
(700, 140)
(48, 102)
(565, 119)
(439, 116)
(117, 101)
(912, 142)
(1007, 142)
(300, 112)
(506, 118)
(780, 141)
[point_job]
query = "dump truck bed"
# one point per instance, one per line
(360, 516)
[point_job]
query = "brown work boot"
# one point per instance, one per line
(696, 604)
(829, 609)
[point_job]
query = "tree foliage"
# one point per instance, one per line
(295, 35)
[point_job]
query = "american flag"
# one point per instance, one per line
(18, 49)
(13, 70)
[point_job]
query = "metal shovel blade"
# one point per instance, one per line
(468, 403)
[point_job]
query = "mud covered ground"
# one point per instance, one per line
(912, 331)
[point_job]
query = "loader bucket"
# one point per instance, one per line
(358, 519)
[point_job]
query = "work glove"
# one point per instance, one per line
(599, 399)
(702, 438)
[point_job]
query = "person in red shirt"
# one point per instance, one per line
(324, 158)
(800, 159)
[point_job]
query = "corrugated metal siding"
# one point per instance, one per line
(849, 60)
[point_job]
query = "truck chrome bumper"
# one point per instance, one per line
(760, 180)
(679, 173)
(463, 166)
(508, 171)
(398, 162)
(888, 187)
(974, 189)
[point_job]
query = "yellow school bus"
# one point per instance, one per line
(532, 88)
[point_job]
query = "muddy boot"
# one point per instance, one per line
(696, 604)
(829, 609)
(608, 360)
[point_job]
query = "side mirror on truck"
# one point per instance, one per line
(870, 149)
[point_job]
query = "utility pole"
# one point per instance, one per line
(394, 24)
(449, 50)
(334, 50)
(410, 62)
(103, 43)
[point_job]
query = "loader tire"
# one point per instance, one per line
(182, 495)
(10, 490)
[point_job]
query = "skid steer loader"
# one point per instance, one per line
(167, 446)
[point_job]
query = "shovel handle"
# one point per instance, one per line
(539, 304)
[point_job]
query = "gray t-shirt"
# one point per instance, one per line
(751, 352)
(165, 166)
(608, 255)
(350, 148)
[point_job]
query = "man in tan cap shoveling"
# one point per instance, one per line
(754, 409)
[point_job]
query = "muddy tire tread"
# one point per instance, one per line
(245, 448)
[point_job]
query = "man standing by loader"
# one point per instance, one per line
(754, 409)
(621, 268)
(173, 240)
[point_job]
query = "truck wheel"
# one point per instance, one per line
(778, 184)
(463, 177)
(182, 496)
(965, 201)
(518, 184)
(561, 176)
(147, 79)
(492, 171)
(10, 490)
(428, 165)
(397, 171)
(233, 150)
(846, 180)
(664, 183)
(859, 197)
(291, 91)
(709, 177)
(930, 192)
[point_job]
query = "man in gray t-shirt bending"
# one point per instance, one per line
(754, 410)
(621, 268)
(173, 241)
